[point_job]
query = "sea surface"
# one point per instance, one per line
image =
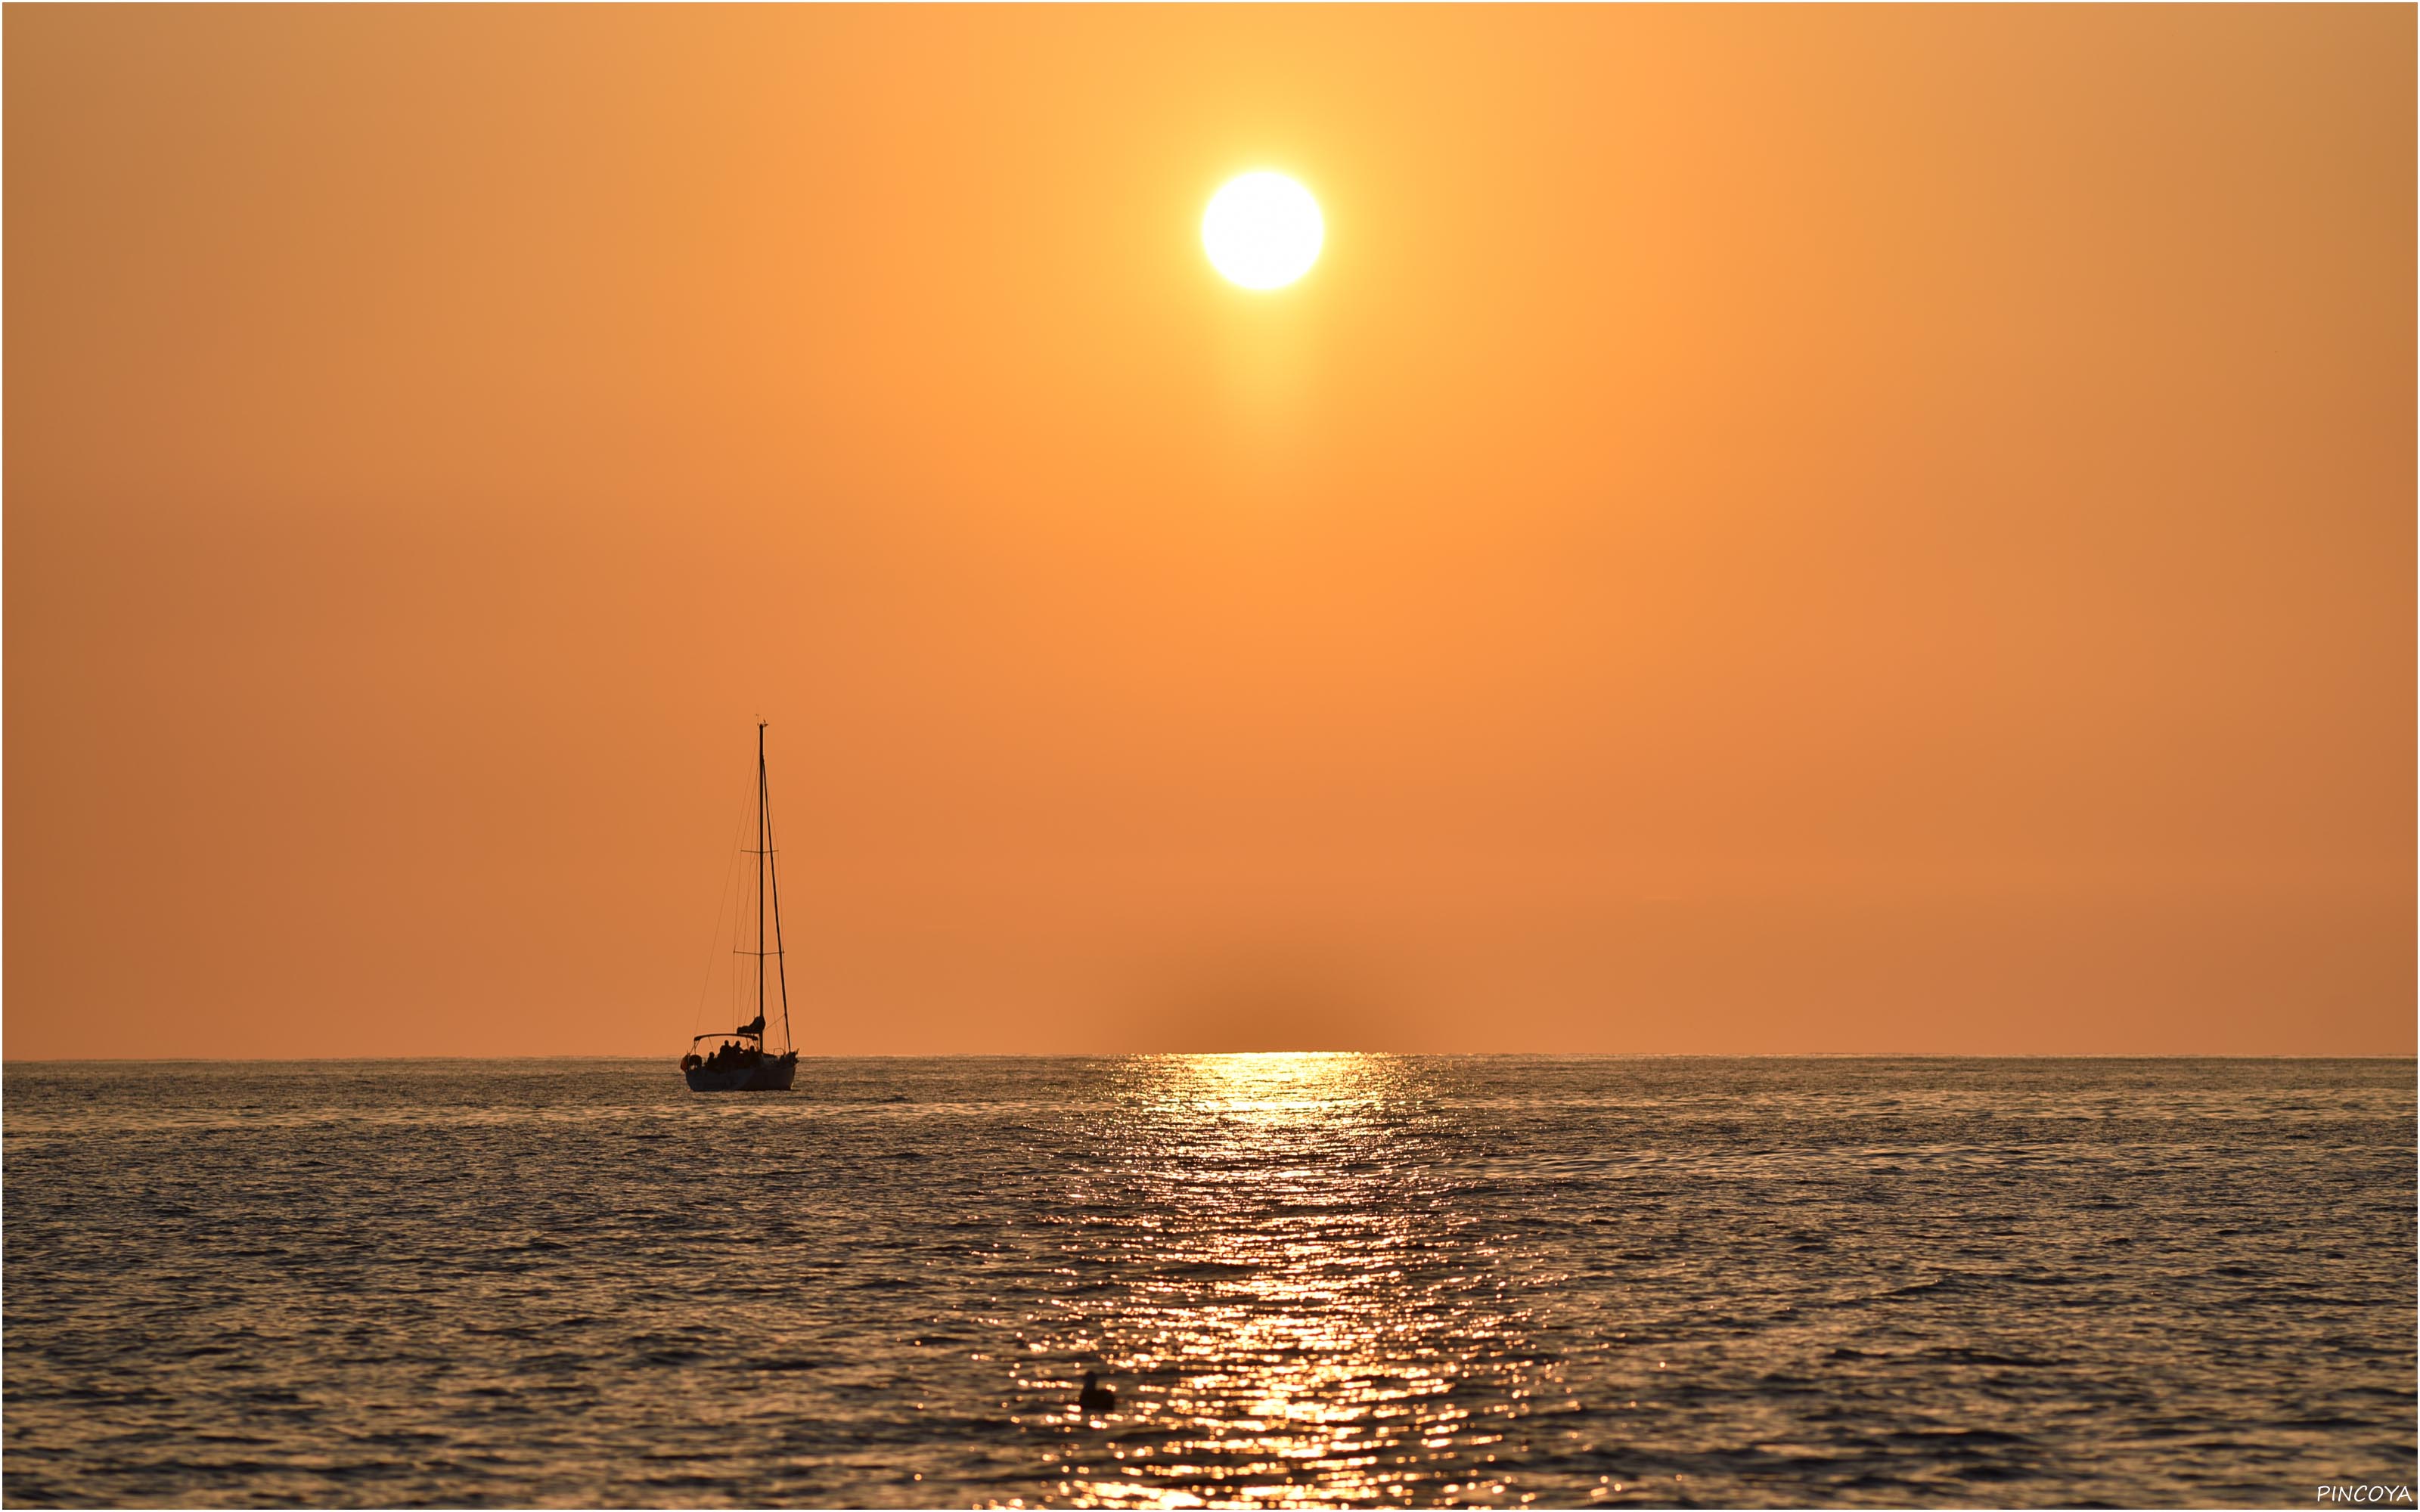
(1364, 1280)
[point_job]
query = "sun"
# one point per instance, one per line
(1262, 230)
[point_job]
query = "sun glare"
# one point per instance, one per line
(1262, 230)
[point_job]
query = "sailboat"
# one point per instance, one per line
(742, 1061)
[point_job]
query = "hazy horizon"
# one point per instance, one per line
(1772, 531)
(805, 1055)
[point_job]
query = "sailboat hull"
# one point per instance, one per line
(771, 1074)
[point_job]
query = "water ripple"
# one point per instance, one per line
(1312, 1279)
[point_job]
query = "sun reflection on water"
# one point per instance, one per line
(1258, 1259)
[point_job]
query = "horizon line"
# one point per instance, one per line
(1147, 1054)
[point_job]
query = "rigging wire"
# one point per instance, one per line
(730, 869)
(782, 954)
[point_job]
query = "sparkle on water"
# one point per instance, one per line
(1309, 1279)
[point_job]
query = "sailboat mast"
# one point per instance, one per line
(763, 856)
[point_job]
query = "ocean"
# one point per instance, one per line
(1363, 1280)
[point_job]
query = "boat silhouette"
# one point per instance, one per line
(740, 1061)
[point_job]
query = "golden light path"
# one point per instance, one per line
(1288, 1317)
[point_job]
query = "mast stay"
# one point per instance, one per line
(769, 890)
(772, 872)
(764, 855)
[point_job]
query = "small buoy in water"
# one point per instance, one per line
(1095, 1397)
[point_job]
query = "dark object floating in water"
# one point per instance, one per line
(1095, 1397)
(740, 1061)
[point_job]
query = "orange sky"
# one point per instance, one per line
(1766, 530)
